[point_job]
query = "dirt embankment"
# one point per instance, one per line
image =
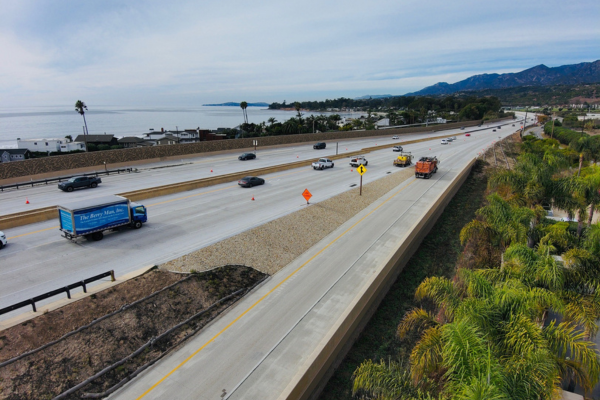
(70, 361)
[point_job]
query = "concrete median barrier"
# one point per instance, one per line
(309, 382)
(27, 217)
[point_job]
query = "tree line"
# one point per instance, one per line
(517, 319)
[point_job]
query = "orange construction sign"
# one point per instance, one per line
(307, 195)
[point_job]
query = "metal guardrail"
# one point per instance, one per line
(64, 178)
(52, 293)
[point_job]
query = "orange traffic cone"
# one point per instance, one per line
(211, 170)
(252, 198)
(351, 170)
(26, 200)
(297, 157)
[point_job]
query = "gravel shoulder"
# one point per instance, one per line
(270, 247)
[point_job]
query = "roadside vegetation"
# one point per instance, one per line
(513, 316)
(399, 111)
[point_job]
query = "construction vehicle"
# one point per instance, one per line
(426, 166)
(403, 160)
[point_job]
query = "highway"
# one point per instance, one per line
(37, 259)
(260, 348)
(189, 168)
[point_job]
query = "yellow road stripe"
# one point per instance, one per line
(269, 292)
(31, 233)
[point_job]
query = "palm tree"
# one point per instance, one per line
(297, 107)
(271, 121)
(80, 107)
(244, 105)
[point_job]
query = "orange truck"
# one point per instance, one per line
(426, 166)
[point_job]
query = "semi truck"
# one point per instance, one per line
(90, 218)
(403, 160)
(426, 166)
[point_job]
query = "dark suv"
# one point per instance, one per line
(77, 182)
(320, 145)
(247, 156)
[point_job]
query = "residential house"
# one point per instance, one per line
(109, 140)
(8, 155)
(50, 145)
(167, 139)
(132, 141)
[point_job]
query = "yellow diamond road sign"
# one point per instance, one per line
(361, 169)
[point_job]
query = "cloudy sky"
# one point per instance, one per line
(175, 53)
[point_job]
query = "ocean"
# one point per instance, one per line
(57, 122)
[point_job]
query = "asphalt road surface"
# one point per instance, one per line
(37, 259)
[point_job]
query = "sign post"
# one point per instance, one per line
(255, 143)
(361, 170)
(307, 195)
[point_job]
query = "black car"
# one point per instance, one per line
(320, 145)
(77, 182)
(249, 181)
(247, 156)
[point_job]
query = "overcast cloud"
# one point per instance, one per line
(179, 53)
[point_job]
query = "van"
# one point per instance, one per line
(444, 141)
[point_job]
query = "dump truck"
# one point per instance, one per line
(426, 166)
(90, 218)
(403, 160)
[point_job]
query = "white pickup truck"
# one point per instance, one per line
(358, 160)
(323, 163)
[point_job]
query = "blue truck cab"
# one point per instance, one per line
(90, 218)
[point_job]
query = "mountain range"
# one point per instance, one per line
(540, 75)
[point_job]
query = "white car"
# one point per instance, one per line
(3, 240)
(444, 141)
(358, 160)
(395, 137)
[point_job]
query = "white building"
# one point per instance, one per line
(52, 145)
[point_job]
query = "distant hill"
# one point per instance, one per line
(231, 104)
(373, 96)
(540, 75)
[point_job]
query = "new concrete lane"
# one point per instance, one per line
(256, 350)
(38, 260)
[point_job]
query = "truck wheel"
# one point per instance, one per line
(137, 225)
(332, 164)
(315, 168)
(1, 245)
(70, 189)
(96, 236)
(93, 185)
(435, 170)
(367, 163)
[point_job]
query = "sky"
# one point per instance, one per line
(181, 53)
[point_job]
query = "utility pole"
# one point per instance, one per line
(552, 132)
(524, 122)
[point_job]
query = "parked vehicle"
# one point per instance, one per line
(320, 145)
(494, 130)
(426, 166)
(358, 160)
(444, 141)
(467, 134)
(403, 160)
(90, 218)
(77, 182)
(247, 156)
(3, 240)
(397, 148)
(249, 181)
(323, 163)
(395, 137)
